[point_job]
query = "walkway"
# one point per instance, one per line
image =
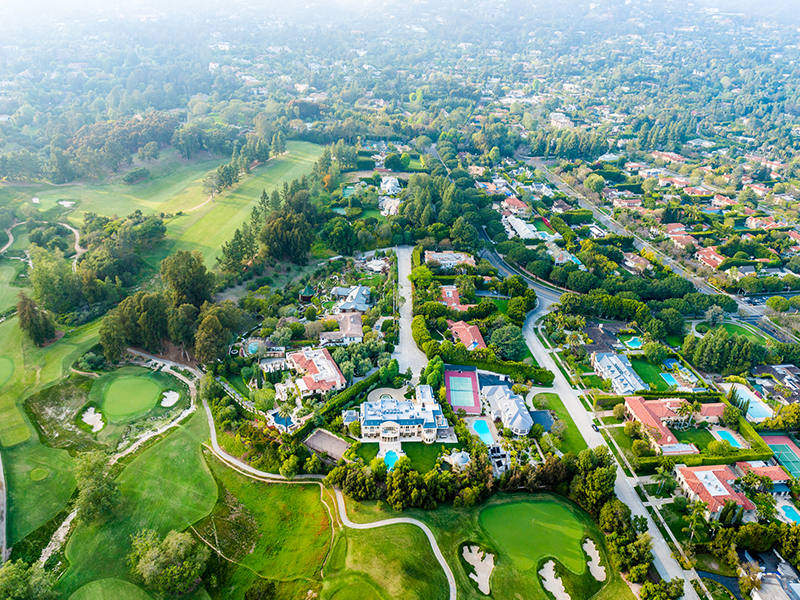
(3, 504)
(78, 250)
(10, 238)
(451, 580)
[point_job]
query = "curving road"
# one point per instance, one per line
(451, 580)
(10, 238)
(78, 250)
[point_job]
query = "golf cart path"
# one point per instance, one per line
(246, 469)
(10, 238)
(78, 250)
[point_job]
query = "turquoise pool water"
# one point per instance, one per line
(390, 458)
(757, 409)
(791, 512)
(252, 348)
(482, 429)
(669, 379)
(728, 437)
(634, 342)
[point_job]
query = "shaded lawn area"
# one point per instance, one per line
(623, 441)
(676, 523)
(368, 451)
(650, 374)
(710, 563)
(423, 456)
(734, 329)
(699, 437)
(501, 304)
(592, 381)
(239, 385)
(676, 341)
(573, 440)
(652, 489)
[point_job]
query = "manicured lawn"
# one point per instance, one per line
(623, 441)
(168, 486)
(282, 532)
(423, 456)
(592, 381)
(650, 374)
(501, 304)
(368, 452)
(522, 531)
(734, 329)
(539, 224)
(237, 382)
(699, 437)
(676, 341)
(129, 396)
(573, 440)
(676, 523)
(110, 588)
(9, 295)
(710, 563)
(208, 227)
(32, 503)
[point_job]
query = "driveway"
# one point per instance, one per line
(406, 351)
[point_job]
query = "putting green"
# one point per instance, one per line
(39, 474)
(530, 531)
(6, 369)
(104, 589)
(129, 397)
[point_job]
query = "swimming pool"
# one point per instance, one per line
(634, 342)
(729, 437)
(669, 379)
(482, 429)
(390, 458)
(252, 348)
(791, 512)
(757, 409)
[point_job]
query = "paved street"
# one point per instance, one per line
(406, 352)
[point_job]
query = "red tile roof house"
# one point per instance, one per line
(516, 206)
(452, 299)
(469, 335)
(720, 201)
(321, 373)
(674, 228)
(710, 257)
(779, 477)
(655, 415)
(713, 485)
(710, 413)
(683, 240)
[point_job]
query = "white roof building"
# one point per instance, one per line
(390, 186)
(619, 370)
(509, 408)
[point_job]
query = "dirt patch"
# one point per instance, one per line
(173, 353)
(59, 335)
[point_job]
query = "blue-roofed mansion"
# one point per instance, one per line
(388, 419)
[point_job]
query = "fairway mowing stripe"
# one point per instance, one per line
(153, 476)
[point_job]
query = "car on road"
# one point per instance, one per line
(595, 427)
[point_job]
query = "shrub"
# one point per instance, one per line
(681, 503)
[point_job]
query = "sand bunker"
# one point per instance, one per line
(93, 418)
(35, 200)
(595, 568)
(170, 398)
(551, 582)
(483, 564)
(66, 203)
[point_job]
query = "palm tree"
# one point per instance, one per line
(663, 477)
(696, 518)
(285, 411)
(574, 339)
(685, 410)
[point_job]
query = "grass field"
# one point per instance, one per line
(206, 228)
(127, 396)
(282, 532)
(573, 440)
(699, 437)
(423, 456)
(9, 295)
(169, 486)
(104, 589)
(522, 530)
(32, 503)
(650, 374)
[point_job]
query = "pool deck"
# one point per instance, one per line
(782, 515)
(715, 430)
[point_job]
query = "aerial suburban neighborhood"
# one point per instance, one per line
(431, 301)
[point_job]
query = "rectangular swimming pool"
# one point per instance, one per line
(729, 437)
(669, 379)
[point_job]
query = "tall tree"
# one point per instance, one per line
(36, 323)
(189, 280)
(211, 341)
(97, 492)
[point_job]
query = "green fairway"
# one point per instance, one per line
(391, 562)
(554, 527)
(6, 369)
(167, 487)
(212, 224)
(106, 589)
(129, 396)
(650, 374)
(9, 295)
(521, 530)
(573, 440)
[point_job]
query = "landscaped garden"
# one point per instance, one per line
(573, 440)
(650, 373)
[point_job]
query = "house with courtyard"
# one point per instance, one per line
(656, 417)
(448, 259)
(509, 408)
(388, 419)
(713, 485)
(452, 299)
(469, 335)
(618, 368)
(352, 299)
(319, 373)
(351, 330)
